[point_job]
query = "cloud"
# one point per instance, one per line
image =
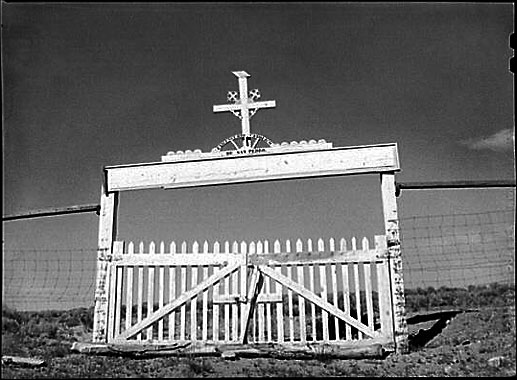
(499, 141)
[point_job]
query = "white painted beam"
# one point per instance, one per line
(250, 105)
(252, 168)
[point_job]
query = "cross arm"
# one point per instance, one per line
(230, 107)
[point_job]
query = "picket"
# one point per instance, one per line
(215, 320)
(183, 289)
(227, 305)
(333, 274)
(150, 291)
(368, 285)
(118, 248)
(172, 292)
(129, 289)
(140, 295)
(301, 301)
(268, 290)
(204, 331)
(279, 306)
(161, 285)
(323, 292)
(112, 304)
(357, 287)
(290, 295)
(243, 286)
(260, 307)
(235, 291)
(193, 302)
(346, 293)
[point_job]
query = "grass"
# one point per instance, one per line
(463, 349)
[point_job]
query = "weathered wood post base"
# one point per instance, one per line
(391, 223)
(107, 234)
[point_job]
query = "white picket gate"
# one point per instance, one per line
(249, 293)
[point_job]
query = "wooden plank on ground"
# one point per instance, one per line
(17, 360)
(349, 350)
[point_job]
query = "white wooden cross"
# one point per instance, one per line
(242, 106)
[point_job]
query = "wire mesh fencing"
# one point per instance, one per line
(48, 279)
(459, 250)
(455, 251)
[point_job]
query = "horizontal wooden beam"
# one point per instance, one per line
(317, 258)
(235, 298)
(177, 259)
(53, 212)
(262, 166)
(293, 258)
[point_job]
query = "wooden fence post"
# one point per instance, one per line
(391, 223)
(107, 234)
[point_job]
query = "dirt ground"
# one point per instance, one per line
(480, 343)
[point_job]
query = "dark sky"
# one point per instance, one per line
(93, 85)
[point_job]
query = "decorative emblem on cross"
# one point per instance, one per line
(246, 105)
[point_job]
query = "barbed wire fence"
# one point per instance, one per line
(439, 251)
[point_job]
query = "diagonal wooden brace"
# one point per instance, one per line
(185, 297)
(318, 301)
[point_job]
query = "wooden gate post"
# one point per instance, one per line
(391, 223)
(107, 234)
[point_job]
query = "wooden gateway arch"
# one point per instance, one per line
(301, 300)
